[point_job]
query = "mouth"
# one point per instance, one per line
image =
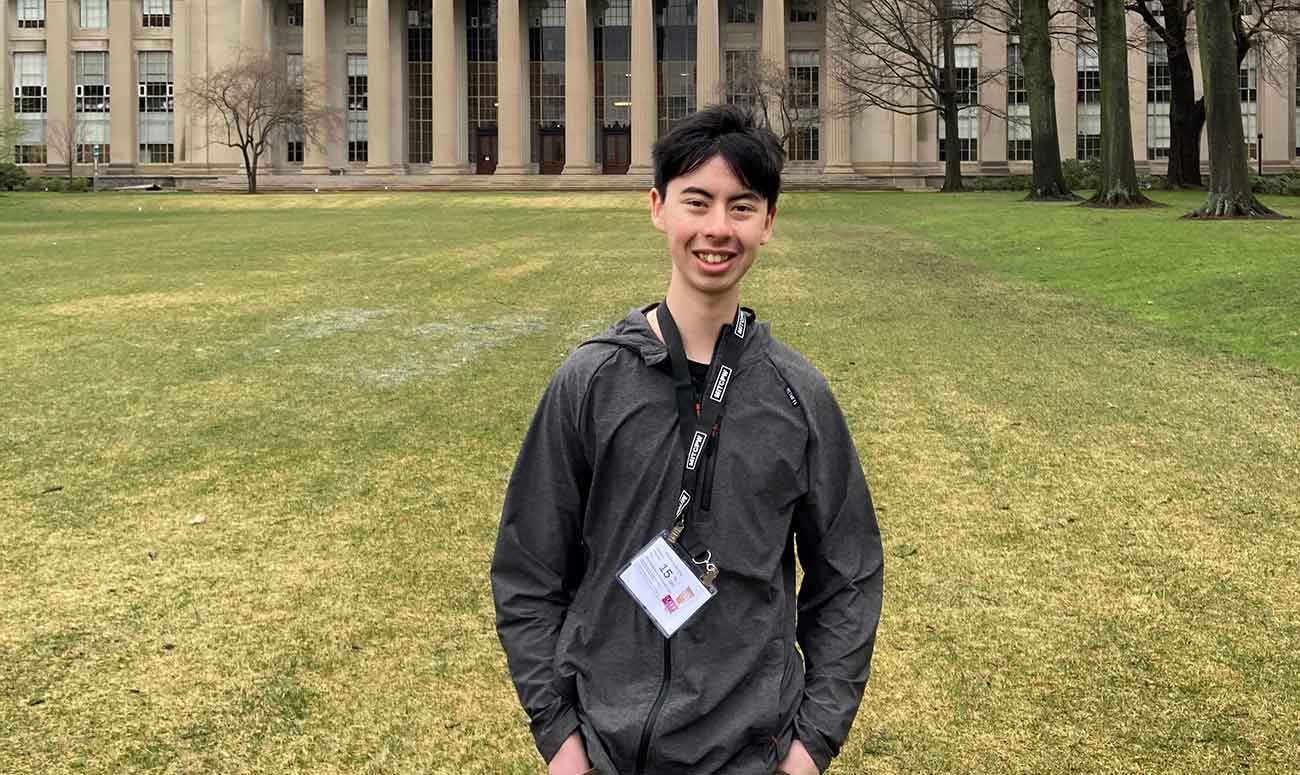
(714, 258)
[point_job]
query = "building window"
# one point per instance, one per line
(156, 119)
(741, 12)
(1019, 134)
(803, 10)
(293, 135)
(1246, 77)
(357, 13)
(741, 72)
(419, 81)
(358, 108)
(294, 17)
(31, 14)
(30, 105)
(805, 91)
(1158, 99)
(157, 13)
(91, 106)
(94, 14)
(613, 57)
(675, 39)
(968, 101)
(964, 9)
(481, 71)
(546, 82)
(1087, 10)
(1088, 103)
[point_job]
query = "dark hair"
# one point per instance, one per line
(753, 152)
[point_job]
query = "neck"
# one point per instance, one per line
(699, 319)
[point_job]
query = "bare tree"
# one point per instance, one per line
(1219, 32)
(1035, 24)
(255, 101)
(1257, 24)
(782, 98)
(67, 135)
(1118, 186)
(900, 56)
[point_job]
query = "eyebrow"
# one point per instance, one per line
(697, 190)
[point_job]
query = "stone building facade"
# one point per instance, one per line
(538, 87)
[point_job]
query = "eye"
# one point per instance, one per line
(744, 209)
(695, 203)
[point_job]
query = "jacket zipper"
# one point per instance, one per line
(643, 750)
(710, 452)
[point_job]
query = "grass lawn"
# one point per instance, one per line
(252, 454)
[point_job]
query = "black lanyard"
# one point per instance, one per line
(700, 423)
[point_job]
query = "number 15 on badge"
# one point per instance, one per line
(664, 586)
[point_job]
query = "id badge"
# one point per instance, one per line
(663, 583)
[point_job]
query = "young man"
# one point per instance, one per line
(687, 441)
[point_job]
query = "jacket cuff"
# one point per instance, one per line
(552, 727)
(814, 743)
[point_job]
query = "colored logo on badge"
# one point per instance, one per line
(670, 604)
(688, 594)
(720, 387)
(697, 446)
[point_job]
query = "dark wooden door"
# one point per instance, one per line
(618, 151)
(486, 151)
(552, 157)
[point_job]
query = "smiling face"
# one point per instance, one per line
(714, 225)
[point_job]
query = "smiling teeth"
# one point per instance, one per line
(712, 258)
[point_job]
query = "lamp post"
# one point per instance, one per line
(1259, 153)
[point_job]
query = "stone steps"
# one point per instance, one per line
(335, 183)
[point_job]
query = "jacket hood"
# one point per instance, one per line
(634, 333)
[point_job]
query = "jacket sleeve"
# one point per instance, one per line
(538, 561)
(839, 549)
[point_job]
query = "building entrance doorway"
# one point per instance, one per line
(617, 150)
(485, 150)
(551, 160)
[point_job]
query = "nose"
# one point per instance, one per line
(718, 225)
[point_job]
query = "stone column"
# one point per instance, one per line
(993, 129)
(314, 52)
(181, 65)
(1065, 68)
(1276, 106)
(253, 26)
(1137, 92)
(512, 88)
(380, 95)
(837, 146)
(58, 83)
(400, 152)
(6, 104)
(121, 78)
(445, 90)
(579, 106)
(645, 108)
(771, 50)
(708, 56)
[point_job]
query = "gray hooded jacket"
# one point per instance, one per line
(598, 477)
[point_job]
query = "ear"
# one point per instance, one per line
(657, 210)
(767, 226)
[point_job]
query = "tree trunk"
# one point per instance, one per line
(1119, 186)
(1229, 193)
(1186, 113)
(250, 168)
(1036, 56)
(948, 101)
